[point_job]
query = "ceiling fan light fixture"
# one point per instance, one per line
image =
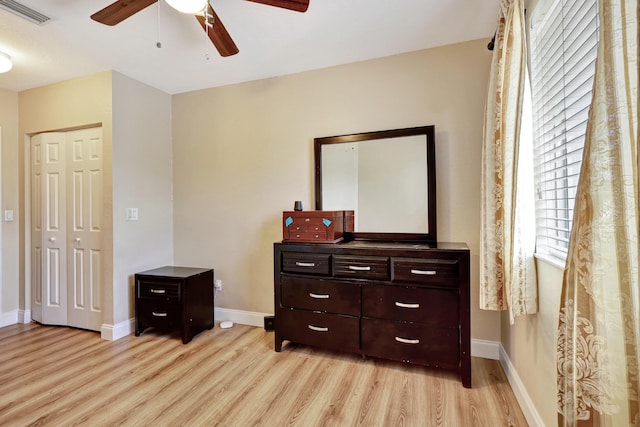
(191, 7)
(5, 62)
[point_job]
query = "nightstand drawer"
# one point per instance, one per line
(329, 296)
(439, 272)
(411, 342)
(159, 290)
(296, 262)
(159, 315)
(361, 267)
(393, 302)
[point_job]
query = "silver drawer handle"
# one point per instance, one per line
(358, 268)
(318, 296)
(424, 272)
(159, 314)
(158, 291)
(318, 328)
(407, 305)
(305, 264)
(407, 341)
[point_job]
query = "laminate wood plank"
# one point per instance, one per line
(233, 377)
(76, 377)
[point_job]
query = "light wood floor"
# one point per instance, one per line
(54, 376)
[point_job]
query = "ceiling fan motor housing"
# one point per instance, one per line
(122, 9)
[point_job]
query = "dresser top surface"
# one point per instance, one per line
(369, 244)
(407, 245)
(173, 271)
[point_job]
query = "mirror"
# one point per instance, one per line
(386, 177)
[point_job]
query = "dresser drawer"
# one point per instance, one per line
(298, 262)
(433, 306)
(158, 314)
(332, 331)
(361, 267)
(441, 272)
(411, 342)
(158, 290)
(331, 296)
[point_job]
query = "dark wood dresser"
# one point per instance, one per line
(401, 301)
(174, 298)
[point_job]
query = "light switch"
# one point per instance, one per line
(132, 214)
(8, 215)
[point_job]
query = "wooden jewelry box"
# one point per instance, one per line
(316, 226)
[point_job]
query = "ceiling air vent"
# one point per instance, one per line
(23, 11)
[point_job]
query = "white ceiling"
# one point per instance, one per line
(272, 41)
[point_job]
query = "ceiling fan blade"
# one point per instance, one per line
(297, 5)
(218, 34)
(120, 10)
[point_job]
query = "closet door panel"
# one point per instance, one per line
(85, 165)
(66, 226)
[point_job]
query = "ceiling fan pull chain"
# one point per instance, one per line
(158, 43)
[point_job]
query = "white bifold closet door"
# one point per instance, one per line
(66, 228)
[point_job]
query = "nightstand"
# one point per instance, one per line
(174, 299)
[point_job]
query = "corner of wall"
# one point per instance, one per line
(115, 332)
(522, 396)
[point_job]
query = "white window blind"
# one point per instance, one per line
(563, 39)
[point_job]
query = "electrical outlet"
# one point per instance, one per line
(218, 284)
(269, 323)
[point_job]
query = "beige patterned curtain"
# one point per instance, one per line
(507, 271)
(599, 325)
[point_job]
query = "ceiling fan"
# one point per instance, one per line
(122, 9)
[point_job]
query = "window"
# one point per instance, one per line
(563, 40)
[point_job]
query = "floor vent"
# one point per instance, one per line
(24, 11)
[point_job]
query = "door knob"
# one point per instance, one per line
(52, 239)
(77, 239)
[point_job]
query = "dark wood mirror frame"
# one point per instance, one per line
(429, 133)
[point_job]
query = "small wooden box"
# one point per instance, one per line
(316, 226)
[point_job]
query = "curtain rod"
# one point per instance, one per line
(492, 43)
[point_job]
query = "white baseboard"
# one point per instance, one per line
(525, 402)
(10, 318)
(485, 349)
(241, 317)
(24, 316)
(479, 348)
(115, 332)
(250, 318)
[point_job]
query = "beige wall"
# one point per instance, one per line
(61, 106)
(244, 153)
(9, 290)
(142, 178)
(136, 128)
